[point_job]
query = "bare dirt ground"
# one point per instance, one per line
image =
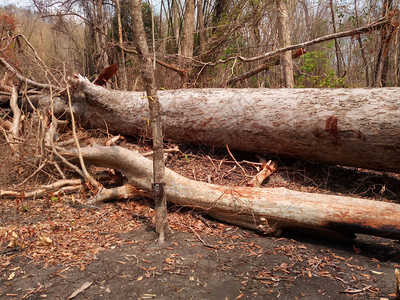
(52, 247)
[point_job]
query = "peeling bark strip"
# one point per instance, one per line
(314, 124)
(266, 209)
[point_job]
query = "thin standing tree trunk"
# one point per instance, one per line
(337, 48)
(100, 36)
(284, 41)
(382, 61)
(188, 29)
(200, 27)
(306, 19)
(364, 57)
(175, 23)
(396, 60)
(121, 43)
(162, 227)
(188, 38)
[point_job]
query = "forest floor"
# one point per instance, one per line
(53, 247)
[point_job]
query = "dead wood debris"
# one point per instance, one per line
(266, 170)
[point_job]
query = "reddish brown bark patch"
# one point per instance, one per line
(331, 126)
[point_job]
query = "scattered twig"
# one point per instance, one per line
(200, 239)
(102, 215)
(114, 140)
(356, 291)
(150, 153)
(33, 291)
(24, 79)
(38, 58)
(224, 161)
(215, 167)
(86, 174)
(229, 151)
(42, 189)
(80, 290)
(34, 173)
(55, 164)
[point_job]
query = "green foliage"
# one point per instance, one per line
(317, 71)
(186, 158)
(24, 208)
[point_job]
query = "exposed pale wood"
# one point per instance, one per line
(352, 127)
(267, 169)
(16, 112)
(121, 192)
(397, 278)
(265, 209)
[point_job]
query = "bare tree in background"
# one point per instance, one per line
(382, 61)
(360, 43)
(121, 43)
(284, 41)
(338, 52)
(188, 29)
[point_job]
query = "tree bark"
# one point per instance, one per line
(162, 227)
(188, 30)
(268, 210)
(363, 55)
(200, 27)
(352, 127)
(176, 24)
(337, 47)
(284, 41)
(382, 60)
(396, 60)
(121, 43)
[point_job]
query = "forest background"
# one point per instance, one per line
(192, 40)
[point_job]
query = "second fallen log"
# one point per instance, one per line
(265, 209)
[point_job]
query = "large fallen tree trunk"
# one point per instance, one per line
(353, 127)
(265, 209)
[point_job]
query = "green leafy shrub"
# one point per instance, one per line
(317, 72)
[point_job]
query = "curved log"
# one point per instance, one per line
(265, 209)
(352, 127)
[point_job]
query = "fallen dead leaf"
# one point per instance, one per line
(366, 276)
(169, 261)
(12, 275)
(45, 240)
